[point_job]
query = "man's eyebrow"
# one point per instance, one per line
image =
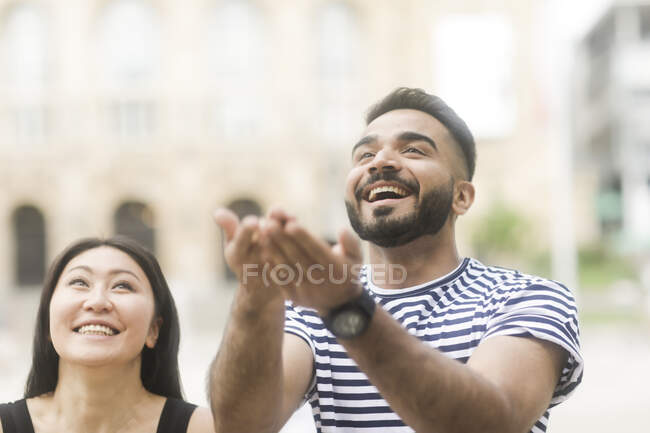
(365, 140)
(112, 272)
(414, 136)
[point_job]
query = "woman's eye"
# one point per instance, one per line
(123, 286)
(78, 282)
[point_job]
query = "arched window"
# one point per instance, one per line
(136, 220)
(338, 48)
(129, 61)
(237, 52)
(24, 60)
(29, 243)
(242, 207)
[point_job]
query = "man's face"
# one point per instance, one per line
(401, 184)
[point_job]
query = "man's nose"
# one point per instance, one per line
(98, 300)
(385, 160)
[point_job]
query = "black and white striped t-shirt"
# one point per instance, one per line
(453, 314)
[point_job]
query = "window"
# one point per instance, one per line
(129, 43)
(644, 18)
(601, 38)
(609, 205)
(24, 48)
(24, 59)
(131, 118)
(237, 52)
(129, 61)
(472, 65)
(136, 220)
(29, 242)
(338, 48)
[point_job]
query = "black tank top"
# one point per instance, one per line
(174, 418)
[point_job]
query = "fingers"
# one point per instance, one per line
(316, 250)
(350, 245)
(272, 248)
(239, 249)
(280, 216)
(228, 221)
(247, 233)
(287, 246)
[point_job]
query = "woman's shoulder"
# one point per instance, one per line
(201, 421)
(15, 415)
(181, 416)
(4, 406)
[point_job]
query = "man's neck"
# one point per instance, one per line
(423, 259)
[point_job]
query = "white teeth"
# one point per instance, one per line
(95, 330)
(393, 189)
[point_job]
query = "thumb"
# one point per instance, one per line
(227, 220)
(350, 244)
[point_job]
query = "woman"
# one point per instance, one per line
(105, 356)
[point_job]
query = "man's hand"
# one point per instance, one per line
(330, 275)
(259, 375)
(243, 253)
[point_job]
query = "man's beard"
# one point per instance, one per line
(428, 217)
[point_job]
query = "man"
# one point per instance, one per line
(443, 344)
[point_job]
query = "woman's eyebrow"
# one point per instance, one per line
(111, 272)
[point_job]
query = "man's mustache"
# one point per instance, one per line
(387, 176)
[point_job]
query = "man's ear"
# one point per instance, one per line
(463, 197)
(154, 330)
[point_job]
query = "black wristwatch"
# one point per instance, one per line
(352, 318)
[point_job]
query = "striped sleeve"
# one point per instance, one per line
(294, 323)
(547, 311)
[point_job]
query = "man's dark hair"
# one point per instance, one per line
(418, 99)
(159, 368)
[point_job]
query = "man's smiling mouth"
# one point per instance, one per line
(386, 192)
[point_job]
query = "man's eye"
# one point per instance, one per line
(413, 150)
(365, 155)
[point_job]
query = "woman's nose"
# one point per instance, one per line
(98, 300)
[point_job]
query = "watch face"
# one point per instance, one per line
(349, 323)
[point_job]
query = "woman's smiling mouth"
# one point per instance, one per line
(95, 329)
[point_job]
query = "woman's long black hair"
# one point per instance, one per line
(159, 371)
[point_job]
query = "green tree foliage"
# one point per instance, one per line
(502, 232)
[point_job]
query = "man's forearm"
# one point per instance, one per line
(246, 376)
(428, 390)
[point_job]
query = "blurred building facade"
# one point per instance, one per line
(612, 96)
(140, 117)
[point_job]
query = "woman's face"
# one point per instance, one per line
(102, 309)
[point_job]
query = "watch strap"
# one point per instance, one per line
(364, 304)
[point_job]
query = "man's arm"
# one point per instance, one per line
(505, 387)
(248, 389)
(260, 374)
